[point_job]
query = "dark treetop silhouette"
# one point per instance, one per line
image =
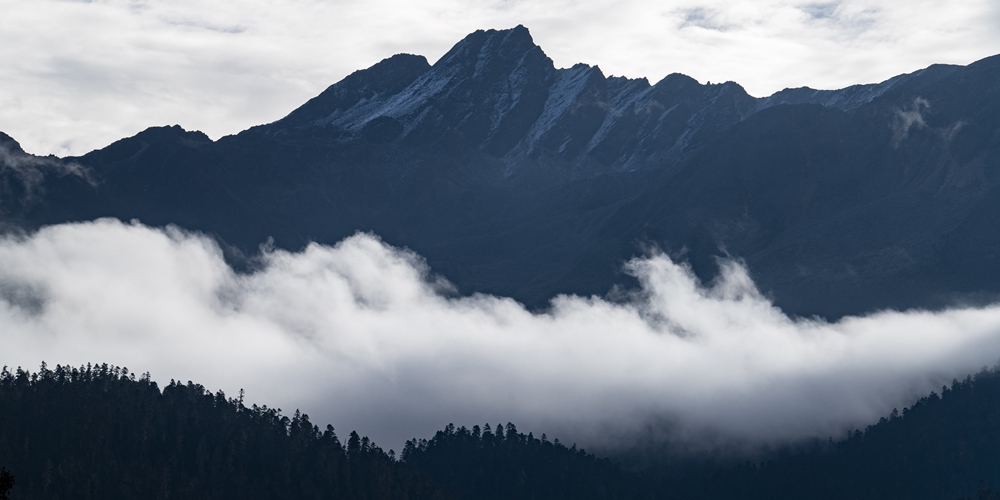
(102, 432)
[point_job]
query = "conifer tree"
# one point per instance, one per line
(6, 483)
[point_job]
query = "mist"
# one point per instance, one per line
(30, 170)
(364, 336)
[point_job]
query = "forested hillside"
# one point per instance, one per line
(944, 446)
(102, 432)
(485, 465)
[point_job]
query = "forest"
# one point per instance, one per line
(103, 432)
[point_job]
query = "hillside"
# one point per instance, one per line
(101, 432)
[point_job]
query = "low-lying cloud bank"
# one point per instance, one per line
(360, 335)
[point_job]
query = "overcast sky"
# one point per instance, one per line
(77, 75)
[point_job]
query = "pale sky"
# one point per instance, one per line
(77, 75)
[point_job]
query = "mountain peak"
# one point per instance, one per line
(483, 46)
(9, 144)
(386, 77)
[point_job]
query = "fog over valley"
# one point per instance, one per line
(363, 335)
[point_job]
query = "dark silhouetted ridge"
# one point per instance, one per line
(516, 178)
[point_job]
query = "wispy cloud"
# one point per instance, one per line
(701, 17)
(30, 171)
(360, 335)
(78, 75)
(820, 10)
(907, 119)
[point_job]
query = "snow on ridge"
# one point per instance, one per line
(485, 56)
(628, 97)
(506, 100)
(563, 94)
(408, 104)
(399, 105)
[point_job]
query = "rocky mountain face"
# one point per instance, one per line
(517, 178)
(497, 93)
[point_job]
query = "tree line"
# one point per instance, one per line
(100, 431)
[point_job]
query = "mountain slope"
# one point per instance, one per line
(513, 177)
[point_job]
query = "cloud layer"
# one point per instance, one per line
(362, 336)
(77, 75)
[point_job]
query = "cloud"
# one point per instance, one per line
(363, 336)
(820, 10)
(912, 117)
(31, 170)
(80, 75)
(909, 118)
(701, 17)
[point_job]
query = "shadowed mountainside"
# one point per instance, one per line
(516, 178)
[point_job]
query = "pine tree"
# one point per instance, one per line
(6, 483)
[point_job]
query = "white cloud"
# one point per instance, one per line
(30, 170)
(357, 335)
(75, 76)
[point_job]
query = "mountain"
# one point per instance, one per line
(513, 177)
